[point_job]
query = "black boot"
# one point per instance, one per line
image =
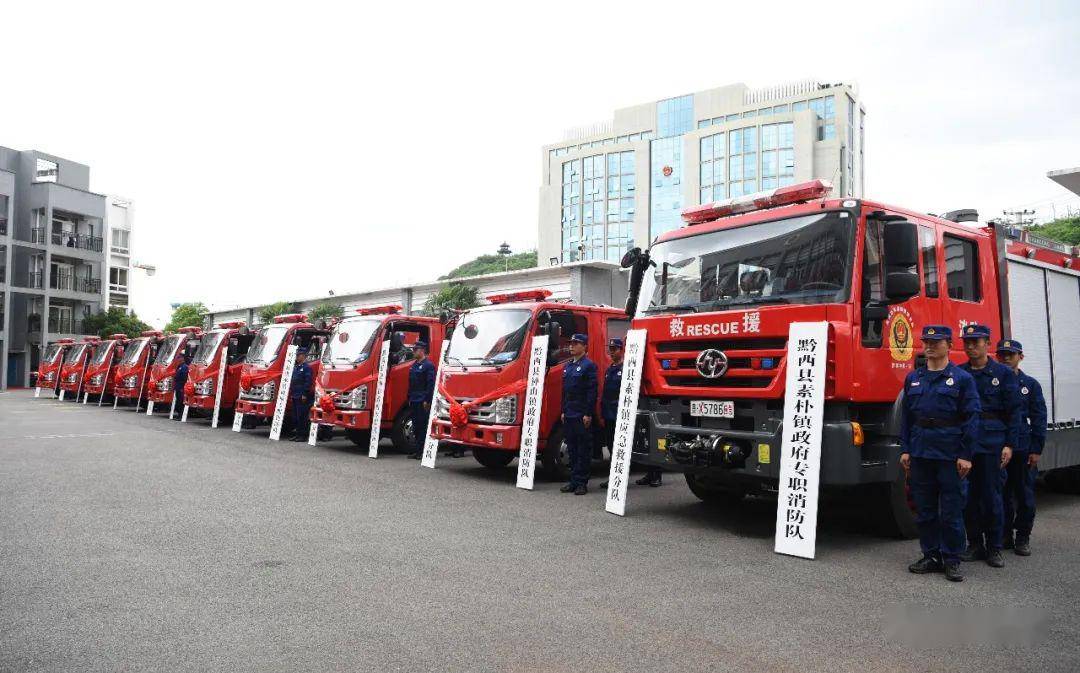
(993, 558)
(953, 573)
(567, 488)
(1022, 548)
(974, 552)
(1007, 542)
(927, 564)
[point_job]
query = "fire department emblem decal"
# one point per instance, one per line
(676, 327)
(711, 363)
(901, 342)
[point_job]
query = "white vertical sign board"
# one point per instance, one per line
(108, 373)
(86, 397)
(37, 391)
(183, 415)
(313, 434)
(142, 379)
(62, 391)
(283, 393)
(150, 407)
(625, 421)
(530, 417)
(237, 420)
(376, 411)
(800, 445)
(82, 377)
(431, 444)
(172, 408)
(223, 368)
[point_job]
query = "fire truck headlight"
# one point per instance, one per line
(72, 376)
(130, 381)
(506, 409)
(268, 390)
(358, 397)
(50, 376)
(204, 387)
(165, 385)
(96, 379)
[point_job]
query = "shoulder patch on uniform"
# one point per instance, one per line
(949, 381)
(914, 383)
(1025, 390)
(994, 381)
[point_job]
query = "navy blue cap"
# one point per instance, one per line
(975, 331)
(932, 332)
(421, 344)
(580, 338)
(1010, 346)
(615, 342)
(302, 351)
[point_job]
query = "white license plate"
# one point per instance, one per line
(712, 408)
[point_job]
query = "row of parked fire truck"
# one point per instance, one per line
(726, 285)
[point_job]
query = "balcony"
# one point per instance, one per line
(3, 226)
(37, 235)
(67, 281)
(79, 241)
(35, 280)
(63, 325)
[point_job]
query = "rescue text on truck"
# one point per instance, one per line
(348, 376)
(484, 374)
(716, 298)
(200, 391)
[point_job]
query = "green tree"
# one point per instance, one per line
(267, 313)
(455, 296)
(186, 315)
(485, 264)
(326, 309)
(114, 321)
(1064, 229)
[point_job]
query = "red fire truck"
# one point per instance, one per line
(348, 376)
(260, 375)
(99, 379)
(132, 376)
(169, 356)
(201, 388)
(48, 373)
(76, 360)
(716, 298)
(485, 370)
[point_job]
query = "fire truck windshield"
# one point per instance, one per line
(51, 353)
(489, 337)
(208, 346)
(75, 353)
(134, 351)
(266, 344)
(103, 349)
(797, 260)
(351, 341)
(168, 350)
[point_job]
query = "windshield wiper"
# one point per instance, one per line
(753, 300)
(672, 307)
(455, 359)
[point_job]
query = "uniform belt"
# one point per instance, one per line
(993, 415)
(939, 422)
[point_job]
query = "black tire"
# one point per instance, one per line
(361, 438)
(493, 459)
(1063, 480)
(402, 432)
(555, 459)
(325, 433)
(893, 509)
(713, 495)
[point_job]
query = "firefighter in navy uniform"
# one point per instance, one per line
(179, 381)
(939, 430)
(421, 390)
(998, 431)
(579, 387)
(1019, 495)
(300, 395)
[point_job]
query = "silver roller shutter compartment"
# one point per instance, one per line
(1064, 292)
(1030, 324)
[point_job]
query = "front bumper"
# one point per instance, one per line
(202, 402)
(158, 397)
(94, 390)
(498, 437)
(748, 448)
(350, 420)
(252, 408)
(127, 393)
(70, 387)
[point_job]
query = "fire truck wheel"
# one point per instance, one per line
(402, 432)
(361, 438)
(713, 495)
(1063, 480)
(325, 433)
(555, 459)
(493, 458)
(893, 508)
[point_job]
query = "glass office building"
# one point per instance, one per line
(619, 184)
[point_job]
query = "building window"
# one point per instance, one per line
(743, 161)
(46, 171)
(713, 183)
(118, 279)
(825, 109)
(597, 206)
(120, 240)
(929, 261)
(674, 116)
(962, 269)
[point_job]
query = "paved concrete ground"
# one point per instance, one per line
(135, 543)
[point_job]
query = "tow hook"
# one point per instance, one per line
(712, 450)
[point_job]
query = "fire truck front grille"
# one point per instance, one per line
(722, 382)
(678, 362)
(483, 413)
(756, 344)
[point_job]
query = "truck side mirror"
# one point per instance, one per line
(397, 341)
(901, 257)
(637, 261)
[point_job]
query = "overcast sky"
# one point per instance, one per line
(280, 150)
